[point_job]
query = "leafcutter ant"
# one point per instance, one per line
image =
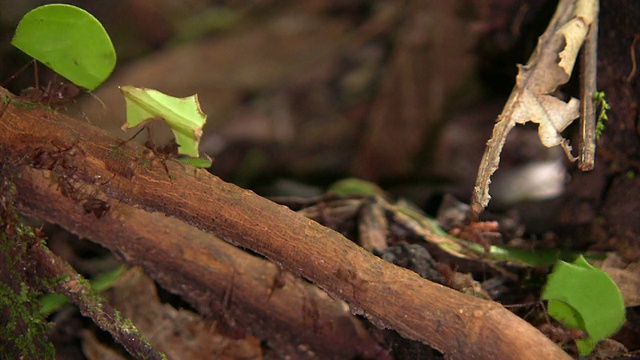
(90, 203)
(54, 94)
(67, 188)
(96, 207)
(59, 161)
(560, 334)
(162, 153)
(44, 159)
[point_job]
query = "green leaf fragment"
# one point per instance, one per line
(68, 40)
(204, 163)
(583, 297)
(52, 302)
(355, 186)
(183, 115)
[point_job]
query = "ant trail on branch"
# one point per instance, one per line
(50, 160)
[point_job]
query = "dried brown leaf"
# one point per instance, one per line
(533, 99)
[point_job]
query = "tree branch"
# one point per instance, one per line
(86, 164)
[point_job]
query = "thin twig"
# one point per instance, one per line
(91, 303)
(634, 63)
(588, 78)
(533, 98)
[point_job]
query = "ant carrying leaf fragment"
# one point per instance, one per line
(183, 115)
(68, 40)
(54, 94)
(72, 43)
(168, 152)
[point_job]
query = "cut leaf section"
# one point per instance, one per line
(584, 297)
(183, 115)
(68, 40)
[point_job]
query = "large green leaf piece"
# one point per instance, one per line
(68, 40)
(584, 297)
(183, 115)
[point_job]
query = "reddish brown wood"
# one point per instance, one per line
(461, 326)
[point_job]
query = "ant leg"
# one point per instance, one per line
(22, 69)
(49, 90)
(166, 168)
(148, 133)
(4, 104)
(133, 137)
(108, 181)
(35, 74)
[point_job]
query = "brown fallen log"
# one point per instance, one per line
(64, 169)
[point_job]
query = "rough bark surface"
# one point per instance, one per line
(41, 148)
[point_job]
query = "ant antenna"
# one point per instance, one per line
(136, 134)
(97, 99)
(17, 73)
(36, 75)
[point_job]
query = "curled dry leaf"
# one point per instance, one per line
(532, 98)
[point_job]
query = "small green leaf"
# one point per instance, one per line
(204, 163)
(599, 99)
(70, 41)
(581, 296)
(183, 115)
(355, 186)
(52, 302)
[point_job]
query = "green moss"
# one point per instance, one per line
(22, 327)
(599, 99)
(27, 105)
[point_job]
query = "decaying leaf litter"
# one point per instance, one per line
(533, 98)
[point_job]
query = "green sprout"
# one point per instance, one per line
(600, 101)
